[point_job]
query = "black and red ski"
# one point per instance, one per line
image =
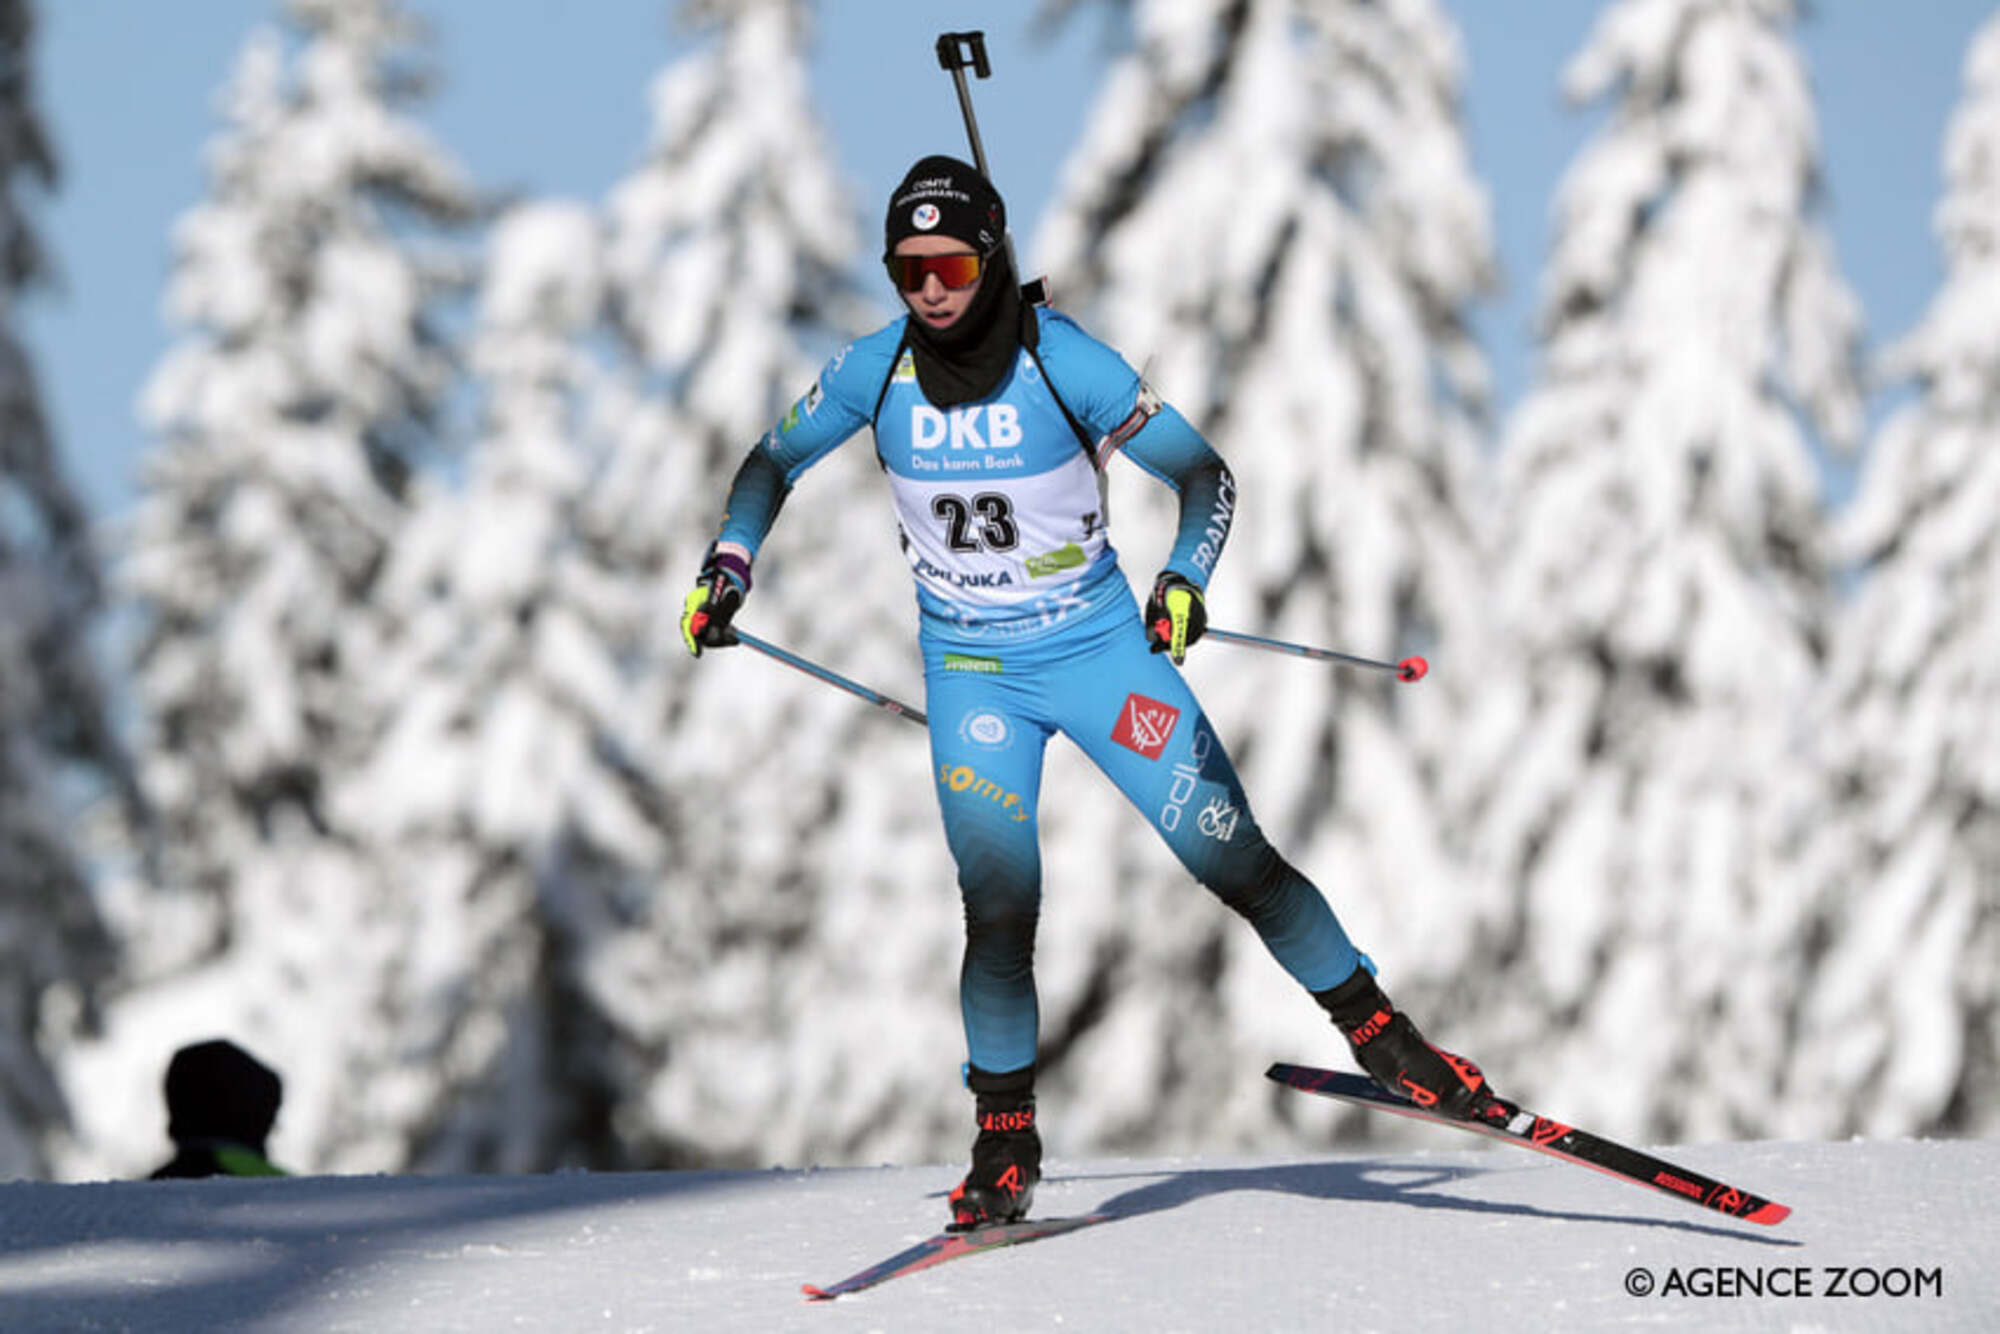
(1544, 1135)
(950, 1246)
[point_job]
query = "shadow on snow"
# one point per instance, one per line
(1375, 1181)
(181, 1254)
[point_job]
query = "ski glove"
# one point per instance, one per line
(1176, 615)
(719, 590)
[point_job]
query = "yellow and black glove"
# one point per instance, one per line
(719, 590)
(1176, 615)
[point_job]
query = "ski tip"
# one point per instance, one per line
(1770, 1213)
(815, 1294)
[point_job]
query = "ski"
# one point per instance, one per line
(1544, 1135)
(950, 1246)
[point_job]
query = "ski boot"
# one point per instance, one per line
(1396, 1056)
(1006, 1155)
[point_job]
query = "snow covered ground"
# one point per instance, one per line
(1404, 1240)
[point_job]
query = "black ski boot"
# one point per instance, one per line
(1006, 1155)
(1389, 1047)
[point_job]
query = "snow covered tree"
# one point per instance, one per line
(508, 789)
(1273, 214)
(304, 391)
(54, 729)
(1661, 572)
(809, 896)
(1896, 1030)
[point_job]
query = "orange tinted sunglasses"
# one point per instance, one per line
(954, 271)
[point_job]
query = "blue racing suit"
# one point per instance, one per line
(1029, 628)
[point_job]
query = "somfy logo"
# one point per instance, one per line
(964, 778)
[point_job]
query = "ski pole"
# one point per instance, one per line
(832, 678)
(1409, 669)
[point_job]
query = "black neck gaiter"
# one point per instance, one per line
(969, 360)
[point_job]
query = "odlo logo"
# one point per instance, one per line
(1187, 777)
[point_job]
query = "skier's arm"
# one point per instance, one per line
(755, 497)
(1172, 450)
(828, 413)
(1123, 413)
(823, 418)
(756, 494)
(1169, 448)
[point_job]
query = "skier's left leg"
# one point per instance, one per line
(1133, 714)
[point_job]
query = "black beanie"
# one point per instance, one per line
(946, 197)
(216, 1090)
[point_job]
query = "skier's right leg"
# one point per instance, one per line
(1006, 1154)
(986, 765)
(986, 762)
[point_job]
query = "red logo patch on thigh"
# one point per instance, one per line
(1145, 725)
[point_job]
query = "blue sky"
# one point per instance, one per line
(549, 96)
